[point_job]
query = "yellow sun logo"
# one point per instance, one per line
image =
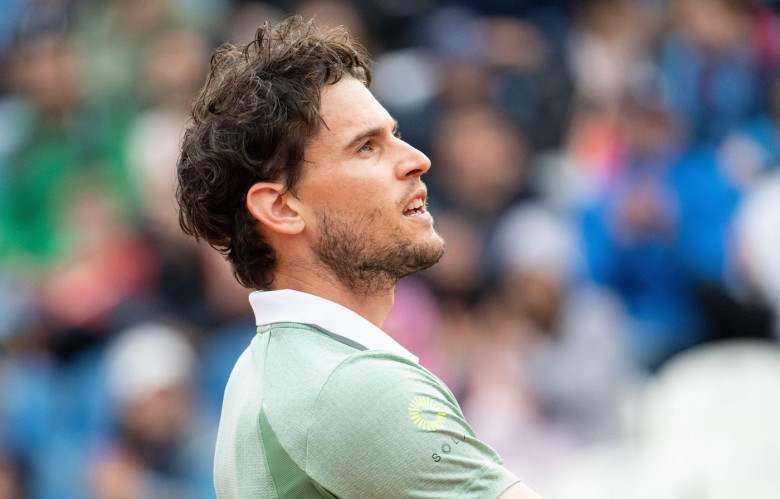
(426, 414)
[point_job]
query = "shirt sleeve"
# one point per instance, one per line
(385, 427)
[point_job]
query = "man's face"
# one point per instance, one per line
(364, 202)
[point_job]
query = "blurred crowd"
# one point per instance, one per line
(605, 174)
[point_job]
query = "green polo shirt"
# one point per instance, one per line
(328, 405)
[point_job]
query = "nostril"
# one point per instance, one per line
(415, 169)
(414, 172)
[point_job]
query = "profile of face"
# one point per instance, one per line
(361, 193)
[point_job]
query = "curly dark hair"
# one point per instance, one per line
(249, 124)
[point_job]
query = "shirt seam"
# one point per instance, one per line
(314, 329)
(317, 406)
(304, 468)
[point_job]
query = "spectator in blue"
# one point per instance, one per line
(631, 232)
(714, 62)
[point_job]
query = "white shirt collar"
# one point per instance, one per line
(287, 305)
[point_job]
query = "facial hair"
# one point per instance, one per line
(349, 249)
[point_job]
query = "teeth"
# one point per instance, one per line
(415, 204)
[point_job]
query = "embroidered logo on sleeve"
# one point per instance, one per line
(426, 414)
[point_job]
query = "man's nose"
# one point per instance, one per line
(413, 162)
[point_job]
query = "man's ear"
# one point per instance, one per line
(270, 203)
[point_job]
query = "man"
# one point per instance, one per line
(292, 168)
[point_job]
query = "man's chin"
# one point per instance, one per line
(426, 254)
(353, 257)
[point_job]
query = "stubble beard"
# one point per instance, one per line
(347, 247)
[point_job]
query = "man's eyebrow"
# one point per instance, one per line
(373, 132)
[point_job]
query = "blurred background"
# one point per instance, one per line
(605, 174)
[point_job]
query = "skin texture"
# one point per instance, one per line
(359, 187)
(344, 233)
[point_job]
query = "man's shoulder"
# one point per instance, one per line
(386, 384)
(327, 365)
(378, 370)
(328, 349)
(300, 342)
(382, 422)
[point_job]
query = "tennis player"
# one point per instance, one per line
(292, 169)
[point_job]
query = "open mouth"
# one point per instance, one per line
(415, 207)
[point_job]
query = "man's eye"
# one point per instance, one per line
(397, 133)
(366, 147)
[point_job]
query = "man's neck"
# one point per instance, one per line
(372, 305)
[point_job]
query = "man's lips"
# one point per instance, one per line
(417, 204)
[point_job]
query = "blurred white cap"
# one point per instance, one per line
(405, 78)
(535, 238)
(147, 358)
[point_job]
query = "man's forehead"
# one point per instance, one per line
(348, 106)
